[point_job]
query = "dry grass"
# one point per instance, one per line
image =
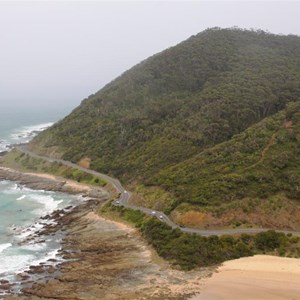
(85, 162)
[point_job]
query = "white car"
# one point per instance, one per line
(125, 192)
(161, 217)
(117, 202)
(153, 213)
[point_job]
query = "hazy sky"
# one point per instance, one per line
(61, 52)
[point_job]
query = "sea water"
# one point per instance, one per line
(20, 212)
(21, 207)
(19, 124)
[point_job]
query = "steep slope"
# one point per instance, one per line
(253, 178)
(180, 101)
(156, 118)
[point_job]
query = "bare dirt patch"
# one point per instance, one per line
(246, 213)
(287, 124)
(85, 162)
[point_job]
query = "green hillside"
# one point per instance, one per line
(255, 175)
(161, 126)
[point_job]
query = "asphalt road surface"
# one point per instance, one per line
(124, 197)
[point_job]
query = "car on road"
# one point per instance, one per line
(153, 213)
(117, 202)
(125, 192)
(161, 217)
(181, 226)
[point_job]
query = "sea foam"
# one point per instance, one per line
(15, 262)
(50, 204)
(4, 246)
(26, 133)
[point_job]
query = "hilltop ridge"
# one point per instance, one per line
(161, 126)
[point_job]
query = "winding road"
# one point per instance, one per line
(124, 197)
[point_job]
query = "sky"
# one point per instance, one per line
(55, 53)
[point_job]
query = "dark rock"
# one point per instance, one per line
(45, 217)
(36, 269)
(40, 241)
(3, 153)
(3, 281)
(22, 276)
(51, 269)
(6, 287)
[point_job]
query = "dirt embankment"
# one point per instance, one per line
(285, 212)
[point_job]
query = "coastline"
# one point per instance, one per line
(51, 226)
(104, 259)
(99, 258)
(43, 181)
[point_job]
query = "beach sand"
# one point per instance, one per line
(260, 277)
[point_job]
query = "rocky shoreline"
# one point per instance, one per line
(52, 183)
(98, 259)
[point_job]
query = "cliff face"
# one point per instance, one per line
(149, 126)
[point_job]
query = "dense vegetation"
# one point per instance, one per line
(188, 251)
(260, 162)
(191, 123)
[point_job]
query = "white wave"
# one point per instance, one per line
(22, 134)
(26, 133)
(17, 188)
(4, 147)
(24, 232)
(38, 127)
(15, 228)
(4, 246)
(14, 189)
(21, 233)
(21, 263)
(34, 246)
(10, 190)
(53, 254)
(4, 182)
(50, 204)
(21, 198)
(13, 263)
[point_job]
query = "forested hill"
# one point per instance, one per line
(172, 106)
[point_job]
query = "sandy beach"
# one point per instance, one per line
(260, 277)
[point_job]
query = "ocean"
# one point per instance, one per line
(21, 207)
